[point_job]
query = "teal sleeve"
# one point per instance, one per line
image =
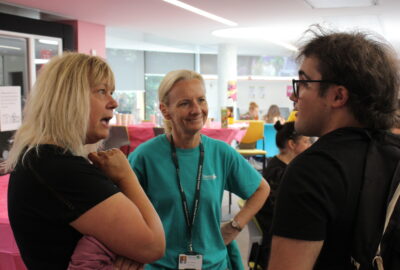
(243, 179)
(234, 257)
(136, 160)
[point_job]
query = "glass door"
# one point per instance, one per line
(21, 57)
(13, 72)
(45, 48)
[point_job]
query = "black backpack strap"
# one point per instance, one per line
(380, 176)
(388, 253)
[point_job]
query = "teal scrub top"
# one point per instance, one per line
(223, 169)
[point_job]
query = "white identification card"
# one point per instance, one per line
(190, 261)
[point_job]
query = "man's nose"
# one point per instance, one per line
(293, 97)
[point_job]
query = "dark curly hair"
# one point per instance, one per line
(285, 133)
(366, 65)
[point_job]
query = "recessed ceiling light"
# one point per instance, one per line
(10, 47)
(201, 12)
(48, 41)
(41, 61)
(341, 3)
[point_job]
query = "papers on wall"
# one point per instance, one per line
(10, 108)
(289, 90)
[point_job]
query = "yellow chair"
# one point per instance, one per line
(254, 132)
(240, 121)
(292, 117)
(247, 145)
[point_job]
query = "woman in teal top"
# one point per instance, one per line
(185, 174)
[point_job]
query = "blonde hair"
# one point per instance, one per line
(58, 107)
(253, 106)
(272, 114)
(168, 83)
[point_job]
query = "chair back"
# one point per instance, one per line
(118, 137)
(269, 144)
(254, 132)
(158, 131)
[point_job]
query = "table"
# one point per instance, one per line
(227, 135)
(10, 258)
(140, 133)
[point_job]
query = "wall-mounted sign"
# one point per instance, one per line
(289, 90)
(10, 108)
(232, 89)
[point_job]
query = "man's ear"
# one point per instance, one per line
(164, 111)
(340, 96)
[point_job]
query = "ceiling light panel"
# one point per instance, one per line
(48, 41)
(341, 3)
(201, 12)
(10, 47)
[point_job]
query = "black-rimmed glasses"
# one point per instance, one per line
(297, 82)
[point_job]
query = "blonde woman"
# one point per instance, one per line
(185, 175)
(252, 114)
(55, 194)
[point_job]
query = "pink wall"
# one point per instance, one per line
(90, 38)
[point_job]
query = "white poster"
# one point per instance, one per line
(10, 108)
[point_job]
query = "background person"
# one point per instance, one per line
(55, 194)
(346, 92)
(252, 114)
(290, 144)
(183, 167)
(273, 115)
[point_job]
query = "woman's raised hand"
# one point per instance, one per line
(113, 163)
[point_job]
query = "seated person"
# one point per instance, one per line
(273, 115)
(252, 114)
(290, 145)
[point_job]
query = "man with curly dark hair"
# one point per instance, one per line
(347, 88)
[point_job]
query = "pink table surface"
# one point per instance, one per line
(145, 124)
(139, 134)
(10, 258)
(227, 135)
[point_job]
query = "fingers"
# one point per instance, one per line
(122, 263)
(98, 156)
(118, 263)
(112, 151)
(94, 157)
(228, 233)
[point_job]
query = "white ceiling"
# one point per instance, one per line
(157, 25)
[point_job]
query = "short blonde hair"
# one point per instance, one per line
(253, 106)
(58, 107)
(168, 83)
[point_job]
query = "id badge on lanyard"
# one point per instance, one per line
(190, 259)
